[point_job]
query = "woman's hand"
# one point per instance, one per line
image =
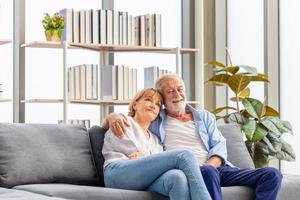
(117, 123)
(135, 155)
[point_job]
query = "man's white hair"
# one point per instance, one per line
(160, 82)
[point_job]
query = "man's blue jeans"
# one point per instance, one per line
(265, 181)
(172, 173)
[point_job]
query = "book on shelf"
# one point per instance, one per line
(88, 26)
(120, 82)
(96, 26)
(109, 27)
(108, 82)
(84, 122)
(102, 26)
(71, 82)
(67, 34)
(124, 28)
(151, 74)
(76, 26)
(82, 26)
(149, 30)
(116, 25)
(95, 78)
(142, 30)
(157, 30)
(77, 82)
(89, 81)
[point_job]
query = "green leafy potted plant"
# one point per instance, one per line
(53, 26)
(260, 123)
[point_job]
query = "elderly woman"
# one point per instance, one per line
(137, 160)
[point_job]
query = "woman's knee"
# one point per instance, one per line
(176, 176)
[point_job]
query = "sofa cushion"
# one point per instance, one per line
(237, 151)
(97, 134)
(290, 187)
(89, 193)
(23, 195)
(37, 153)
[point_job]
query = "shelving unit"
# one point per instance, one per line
(104, 51)
(2, 42)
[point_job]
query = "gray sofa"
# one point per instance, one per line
(45, 162)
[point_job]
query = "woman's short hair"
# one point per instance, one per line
(138, 96)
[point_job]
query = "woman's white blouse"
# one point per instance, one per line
(115, 149)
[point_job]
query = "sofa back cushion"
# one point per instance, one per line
(45, 153)
(237, 151)
(97, 134)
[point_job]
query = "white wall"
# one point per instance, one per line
(289, 76)
(6, 59)
(245, 37)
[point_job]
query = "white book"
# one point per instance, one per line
(89, 81)
(67, 34)
(96, 27)
(95, 82)
(82, 26)
(130, 86)
(102, 26)
(116, 27)
(71, 81)
(108, 82)
(124, 30)
(157, 30)
(150, 76)
(109, 26)
(120, 82)
(129, 30)
(77, 82)
(121, 28)
(82, 82)
(126, 83)
(88, 26)
(142, 31)
(76, 26)
(134, 82)
(149, 30)
(136, 30)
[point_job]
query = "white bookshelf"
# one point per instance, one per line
(104, 50)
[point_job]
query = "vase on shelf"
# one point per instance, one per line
(53, 35)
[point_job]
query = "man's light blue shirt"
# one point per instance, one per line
(206, 127)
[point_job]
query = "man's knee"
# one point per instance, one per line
(209, 172)
(274, 174)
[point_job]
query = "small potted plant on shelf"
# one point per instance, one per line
(53, 26)
(259, 122)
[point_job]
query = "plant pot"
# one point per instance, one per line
(53, 36)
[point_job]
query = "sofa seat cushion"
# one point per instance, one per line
(290, 188)
(45, 153)
(238, 193)
(23, 195)
(88, 192)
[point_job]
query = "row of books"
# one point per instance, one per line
(112, 82)
(111, 27)
(151, 74)
(118, 82)
(85, 122)
(83, 82)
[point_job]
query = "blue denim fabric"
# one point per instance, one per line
(207, 129)
(173, 173)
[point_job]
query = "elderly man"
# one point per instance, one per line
(181, 126)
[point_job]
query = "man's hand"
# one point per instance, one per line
(117, 123)
(214, 161)
(135, 155)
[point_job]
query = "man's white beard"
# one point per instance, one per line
(177, 108)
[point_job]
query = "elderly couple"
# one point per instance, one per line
(177, 151)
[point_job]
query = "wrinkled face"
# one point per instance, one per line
(173, 91)
(148, 106)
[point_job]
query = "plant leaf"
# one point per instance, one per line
(253, 107)
(216, 63)
(273, 143)
(271, 112)
(245, 93)
(235, 118)
(231, 69)
(260, 77)
(238, 82)
(248, 69)
(259, 133)
(218, 110)
(270, 125)
(282, 126)
(220, 78)
(249, 128)
(287, 153)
